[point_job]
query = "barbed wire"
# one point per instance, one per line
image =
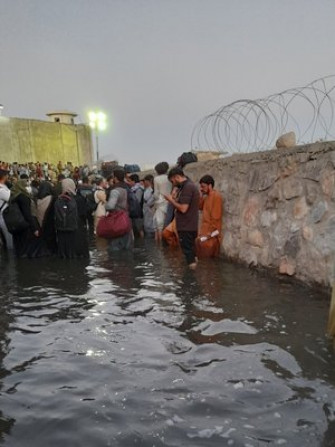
(254, 125)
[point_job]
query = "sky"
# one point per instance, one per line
(156, 67)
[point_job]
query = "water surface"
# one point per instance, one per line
(138, 351)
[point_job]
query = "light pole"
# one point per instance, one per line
(97, 121)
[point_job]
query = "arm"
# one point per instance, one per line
(112, 201)
(25, 207)
(156, 189)
(181, 207)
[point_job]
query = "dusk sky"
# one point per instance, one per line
(156, 67)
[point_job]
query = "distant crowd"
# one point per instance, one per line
(48, 210)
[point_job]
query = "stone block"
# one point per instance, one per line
(274, 195)
(324, 241)
(312, 192)
(251, 212)
(260, 180)
(312, 171)
(249, 256)
(292, 188)
(255, 238)
(287, 266)
(300, 208)
(286, 141)
(268, 218)
(318, 212)
(308, 233)
(327, 184)
(292, 245)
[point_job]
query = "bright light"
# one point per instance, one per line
(92, 116)
(101, 116)
(97, 120)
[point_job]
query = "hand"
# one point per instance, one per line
(36, 233)
(168, 197)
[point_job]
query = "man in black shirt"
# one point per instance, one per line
(186, 206)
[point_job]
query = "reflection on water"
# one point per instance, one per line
(136, 350)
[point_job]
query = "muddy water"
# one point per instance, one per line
(138, 351)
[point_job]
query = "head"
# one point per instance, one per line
(176, 176)
(86, 180)
(110, 180)
(100, 182)
(60, 177)
(127, 178)
(162, 167)
(133, 179)
(3, 176)
(45, 189)
(206, 184)
(68, 186)
(148, 181)
(118, 176)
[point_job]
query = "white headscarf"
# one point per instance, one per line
(68, 186)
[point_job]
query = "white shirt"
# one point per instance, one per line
(4, 196)
(162, 186)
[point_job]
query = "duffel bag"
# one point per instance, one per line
(114, 224)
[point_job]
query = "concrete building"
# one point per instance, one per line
(24, 140)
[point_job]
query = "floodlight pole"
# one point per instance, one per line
(97, 142)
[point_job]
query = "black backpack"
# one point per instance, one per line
(186, 158)
(66, 213)
(13, 217)
(135, 208)
(88, 195)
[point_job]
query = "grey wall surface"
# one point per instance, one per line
(279, 209)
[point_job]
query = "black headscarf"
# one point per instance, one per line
(45, 189)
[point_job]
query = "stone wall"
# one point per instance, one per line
(25, 140)
(279, 209)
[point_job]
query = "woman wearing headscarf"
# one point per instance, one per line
(45, 215)
(73, 243)
(26, 242)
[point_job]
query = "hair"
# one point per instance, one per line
(175, 171)
(24, 177)
(86, 179)
(207, 179)
(134, 177)
(60, 177)
(109, 177)
(98, 181)
(148, 178)
(162, 167)
(119, 174)
(3, 174)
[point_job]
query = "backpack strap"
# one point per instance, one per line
(2, 206)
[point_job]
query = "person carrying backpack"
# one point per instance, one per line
(4, 199)
(85, 189)
(26, 240)
(70, 222)
(136, 200)
(118, 195)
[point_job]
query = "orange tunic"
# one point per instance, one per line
(212, 210)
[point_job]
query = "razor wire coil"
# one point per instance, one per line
(254, 125)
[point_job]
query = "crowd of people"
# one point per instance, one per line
(47, 210)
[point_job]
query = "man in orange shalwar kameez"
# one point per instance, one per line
(209, 237)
